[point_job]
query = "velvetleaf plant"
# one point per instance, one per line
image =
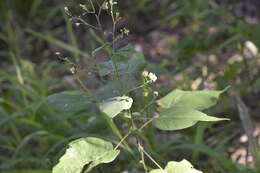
(177, 110)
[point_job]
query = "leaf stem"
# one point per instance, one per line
(149, 156)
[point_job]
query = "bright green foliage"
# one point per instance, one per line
(175, 118)
(177, 167)
(158, 171)
(180, 167)
(190, 99)
(181, 109)
(115, 105)
(31, 171)
(83, 151)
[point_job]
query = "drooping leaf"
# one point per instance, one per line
(177, 167)
(113, 106)
(69, 101)
(175, 118)
(190, 99)
(83, 151)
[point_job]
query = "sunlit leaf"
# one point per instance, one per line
(83, 151)
(180, 167)
(31, 171)
(190, 99)
(113, 106)
(177, 167)
(175, 118)
(157, 171)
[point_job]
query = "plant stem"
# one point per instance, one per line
(142, 157)
(123, 139)
(150, 157)
(82, 85)
(145, 124)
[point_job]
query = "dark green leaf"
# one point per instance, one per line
(69, 101)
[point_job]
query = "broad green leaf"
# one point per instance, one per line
(106, 158)
(190, 99)
(177, 167)
(69, 101)
(31, 171)
(83, 151)
(106, 68)
(116, 88)
(157, 171)
(113, 106)
(125, 61)
(175, 118)
(180, 167)
(126, 51)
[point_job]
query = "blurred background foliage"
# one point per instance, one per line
(191, 44)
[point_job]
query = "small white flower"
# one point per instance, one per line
(152, 77)
(105, 6)
(251, 47)
(77, 24)
(81, 5)
(145, 73)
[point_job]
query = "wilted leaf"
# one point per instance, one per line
(113, 106)
(175, 118)
(83, 151)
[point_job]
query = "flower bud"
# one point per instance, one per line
(145, 73)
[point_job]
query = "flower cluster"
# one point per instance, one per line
(150, 77)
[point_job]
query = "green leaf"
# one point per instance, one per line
(31, 171)
(126, 61)
(175, 118)
(190, 99)
(177, 167)
(69, 101)
(113, 106)
(180, 167)
(83, 151)
(157, 171)
(115, 88)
